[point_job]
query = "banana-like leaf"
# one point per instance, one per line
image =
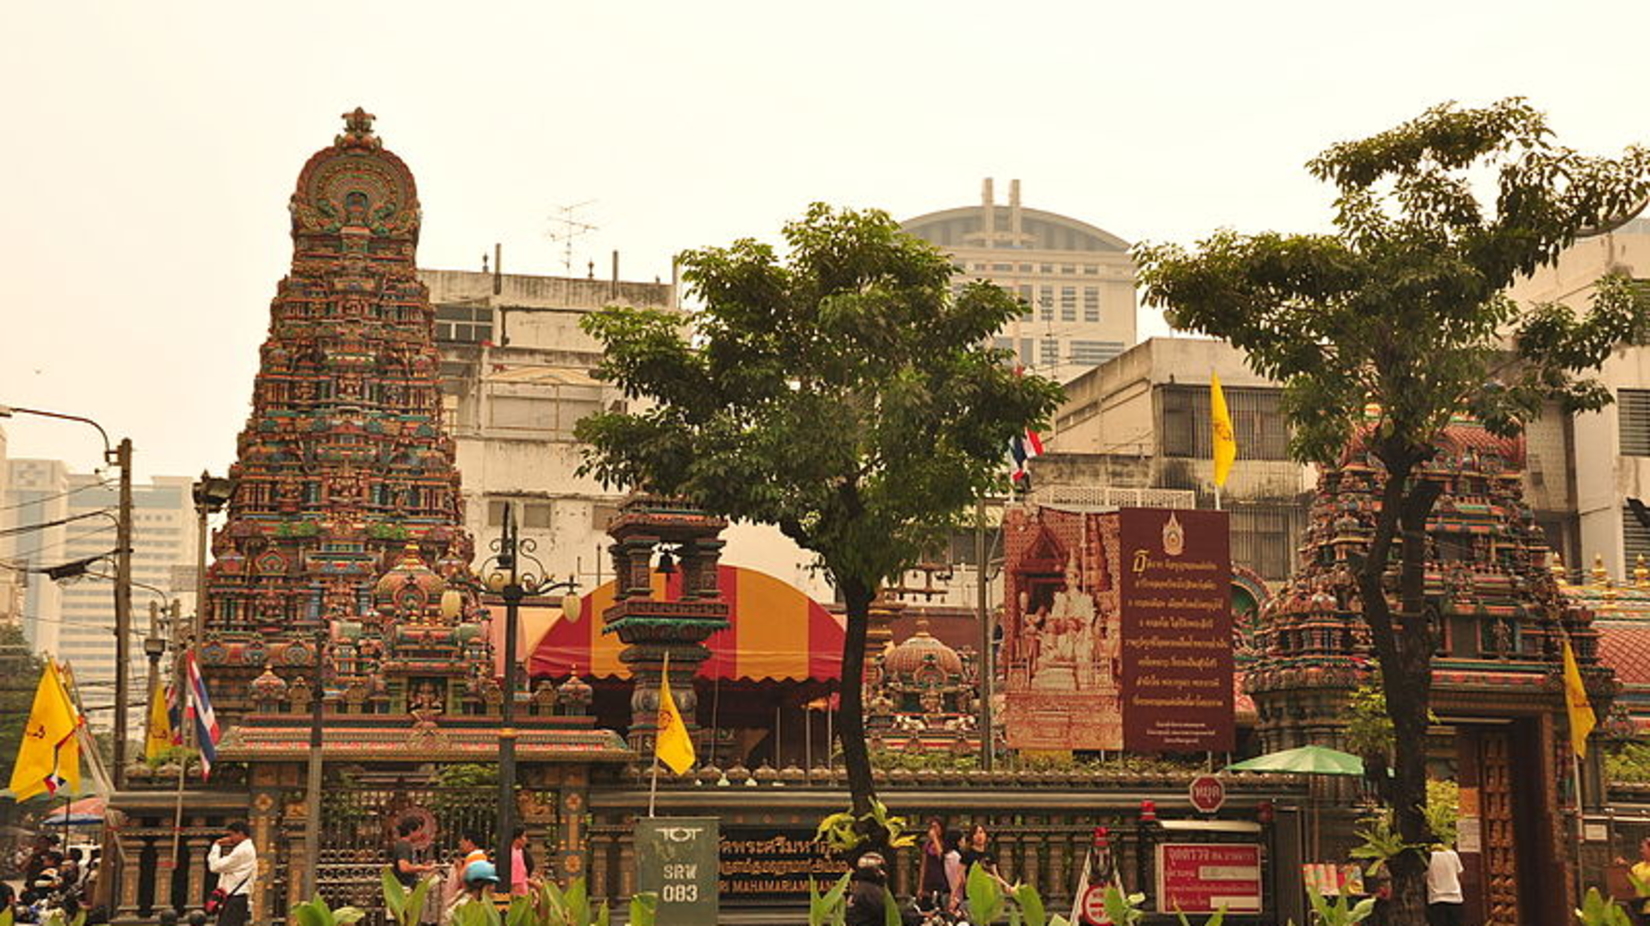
(520, 912)
(1031, 903)
(890, 909)
(312, 913)
(347, 916)
(985, 898)
(416, 901)
(395, 895)
(578, 903)
(603, 915)
(6, 917)
(644, 909)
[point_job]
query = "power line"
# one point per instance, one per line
(28, 528)
(57, 495)
(67, 539)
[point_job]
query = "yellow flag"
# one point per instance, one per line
(160, 725)
(672, 745)
(1575, 702)
(1221, 422)
(49, 756)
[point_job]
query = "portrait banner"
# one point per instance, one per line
(1109, 639)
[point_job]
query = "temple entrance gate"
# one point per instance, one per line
(1509, 827)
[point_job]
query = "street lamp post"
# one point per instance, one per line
(210, 493)
(504, 574)
(121, 456)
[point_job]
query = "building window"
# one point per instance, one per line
(1026, 359)
(495, 512)
(1094, 353)
(1051, 352)
(1264, 537)
(1633, 421)
(463, 324)
(1635, 538)
(602, 515)
(1091, 269)
(536, 515)
(1045, 303)
(1091, 303)
(1257, 423)
(1068, 303)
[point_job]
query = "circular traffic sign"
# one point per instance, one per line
(1094, 906)
(1207, 793)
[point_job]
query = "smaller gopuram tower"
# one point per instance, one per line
(344, 472)
(1501, 732)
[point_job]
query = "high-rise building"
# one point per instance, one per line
(74, 619)
(1076, 281)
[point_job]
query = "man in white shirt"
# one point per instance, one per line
(234, 860)
(1445, 903)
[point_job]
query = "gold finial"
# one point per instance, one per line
(1641, 573)
(1560, 574)
(1600, 576)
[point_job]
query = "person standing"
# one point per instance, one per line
(521, 863)
(933, 886)
(405, 864)
(234, 860)
(1446, 905)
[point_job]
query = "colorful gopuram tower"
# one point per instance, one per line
(1501, 732)
(346, 519)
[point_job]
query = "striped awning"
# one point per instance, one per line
(776, 633)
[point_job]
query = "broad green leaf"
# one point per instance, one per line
(395, 895)
(345, 916)
(644, 908)
(985, 898)
(420, 896)
(890, 909)
(520, 912)
(1031, 903)
(312, 913)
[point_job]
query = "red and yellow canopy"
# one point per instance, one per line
(776, 633)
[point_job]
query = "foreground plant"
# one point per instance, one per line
(1598, 910)
(317, 913)
(405, 907)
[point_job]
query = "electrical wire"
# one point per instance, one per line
(57, 495)
(29, 528)
(67, 539)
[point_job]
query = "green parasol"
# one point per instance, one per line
(1306, 760)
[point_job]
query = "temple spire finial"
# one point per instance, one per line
(358, 128)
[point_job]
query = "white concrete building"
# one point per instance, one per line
(1077, 281)
(1597, 461)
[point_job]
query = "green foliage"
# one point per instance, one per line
(841, 393)
(472, 913)
(405, 908)
(549, 905)
(1368, 725)
(644, 909)
(844, 831)
(1630, 762)
(172, 755)
(1123, 909)
(985, 896)
(1443, 809)
(830, 908)
(1598, 910)
(55, 918)
(317, 913)
(1402, 310)
(1216, 919)
(1341, 911)
(1381, 843)
(20, 672)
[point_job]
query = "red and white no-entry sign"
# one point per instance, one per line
(1207, 793)
(1093, 907)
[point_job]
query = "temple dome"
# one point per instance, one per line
(920, 651)
(411, 588)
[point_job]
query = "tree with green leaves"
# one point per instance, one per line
(1402, 309)
(842, 392)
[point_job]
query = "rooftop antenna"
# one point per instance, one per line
(565, 227)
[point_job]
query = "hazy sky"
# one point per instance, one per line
(150, 148)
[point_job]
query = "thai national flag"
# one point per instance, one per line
(1021, 449)
(207, 732)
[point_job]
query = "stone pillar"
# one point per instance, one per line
(131, 869)
(195, 848)
(263, 839)
(572, 800)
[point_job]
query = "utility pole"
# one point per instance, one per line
(123, 607)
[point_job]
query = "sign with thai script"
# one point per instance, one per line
(1202, 877)
(766, 864)
(1177, 631)
(676, 858)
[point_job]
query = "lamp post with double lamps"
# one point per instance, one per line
(513, 573)
(121, 456)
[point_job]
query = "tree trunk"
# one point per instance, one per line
(850, 727)
(1404, 643)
